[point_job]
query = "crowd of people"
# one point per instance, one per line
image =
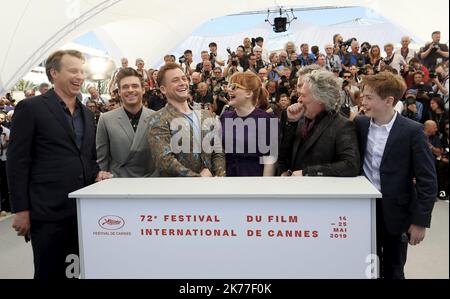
(346, 111)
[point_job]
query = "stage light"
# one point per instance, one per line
(280, 23)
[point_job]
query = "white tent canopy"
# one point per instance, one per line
(32, 29)
(378, 33)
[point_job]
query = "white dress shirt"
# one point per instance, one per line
(376, 143)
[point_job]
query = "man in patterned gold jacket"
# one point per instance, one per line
(186, 142)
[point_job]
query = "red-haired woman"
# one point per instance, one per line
(250, 134)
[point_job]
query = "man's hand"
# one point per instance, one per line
(206, 173)
(103, 175)
(412, 108)
(417, 234)
(21, 223)
(295, 112)
(297, 173)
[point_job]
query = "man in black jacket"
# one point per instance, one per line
(315, 139)
(397, 160)
(51, 154)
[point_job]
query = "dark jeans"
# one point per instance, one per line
(4, 191)
(52, 242)
(391, 250)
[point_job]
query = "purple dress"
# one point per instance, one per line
(242, 152)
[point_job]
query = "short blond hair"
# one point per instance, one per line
(386, 84)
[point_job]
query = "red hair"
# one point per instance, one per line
(252, 82)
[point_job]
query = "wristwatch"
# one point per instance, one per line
(289, 172)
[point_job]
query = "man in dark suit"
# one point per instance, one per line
(399, 163)
(51, 154)
(315, 139)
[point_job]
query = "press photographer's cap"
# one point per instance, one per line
(411, 92)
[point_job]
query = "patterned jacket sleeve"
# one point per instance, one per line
(159, 139)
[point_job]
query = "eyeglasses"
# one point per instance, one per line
(347, 77)
(234, 86)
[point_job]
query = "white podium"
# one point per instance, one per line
(228, 228)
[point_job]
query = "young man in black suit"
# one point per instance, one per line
(397, 160)
(51, 154)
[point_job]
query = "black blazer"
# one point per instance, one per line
(332, 149)
(406, 156)
(44, 163)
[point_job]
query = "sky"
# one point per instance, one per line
(233, 24)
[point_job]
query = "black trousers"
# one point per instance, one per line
(442, 174)
(52, 243)
(4, 191)
(391, 250)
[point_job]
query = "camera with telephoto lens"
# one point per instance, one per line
(433, 75)
(362, 71)
(218, 91)
(182, 59)
(365, 47)
(232, 54)
(349, 42)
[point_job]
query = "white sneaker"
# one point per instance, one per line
(3, 214)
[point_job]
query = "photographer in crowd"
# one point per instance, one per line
(214, 57)
(332, 61)
(409, 71)
(305, 58)
(220, 97)
(395, 61)
(233, 66)
(441, 80)
(412, 108)
(260, 63)
(375, 58)
(203, 97)
(205, 57)
(354, 57)
(187, 63)
(434, 53)
(265, 53)
(405, 51)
